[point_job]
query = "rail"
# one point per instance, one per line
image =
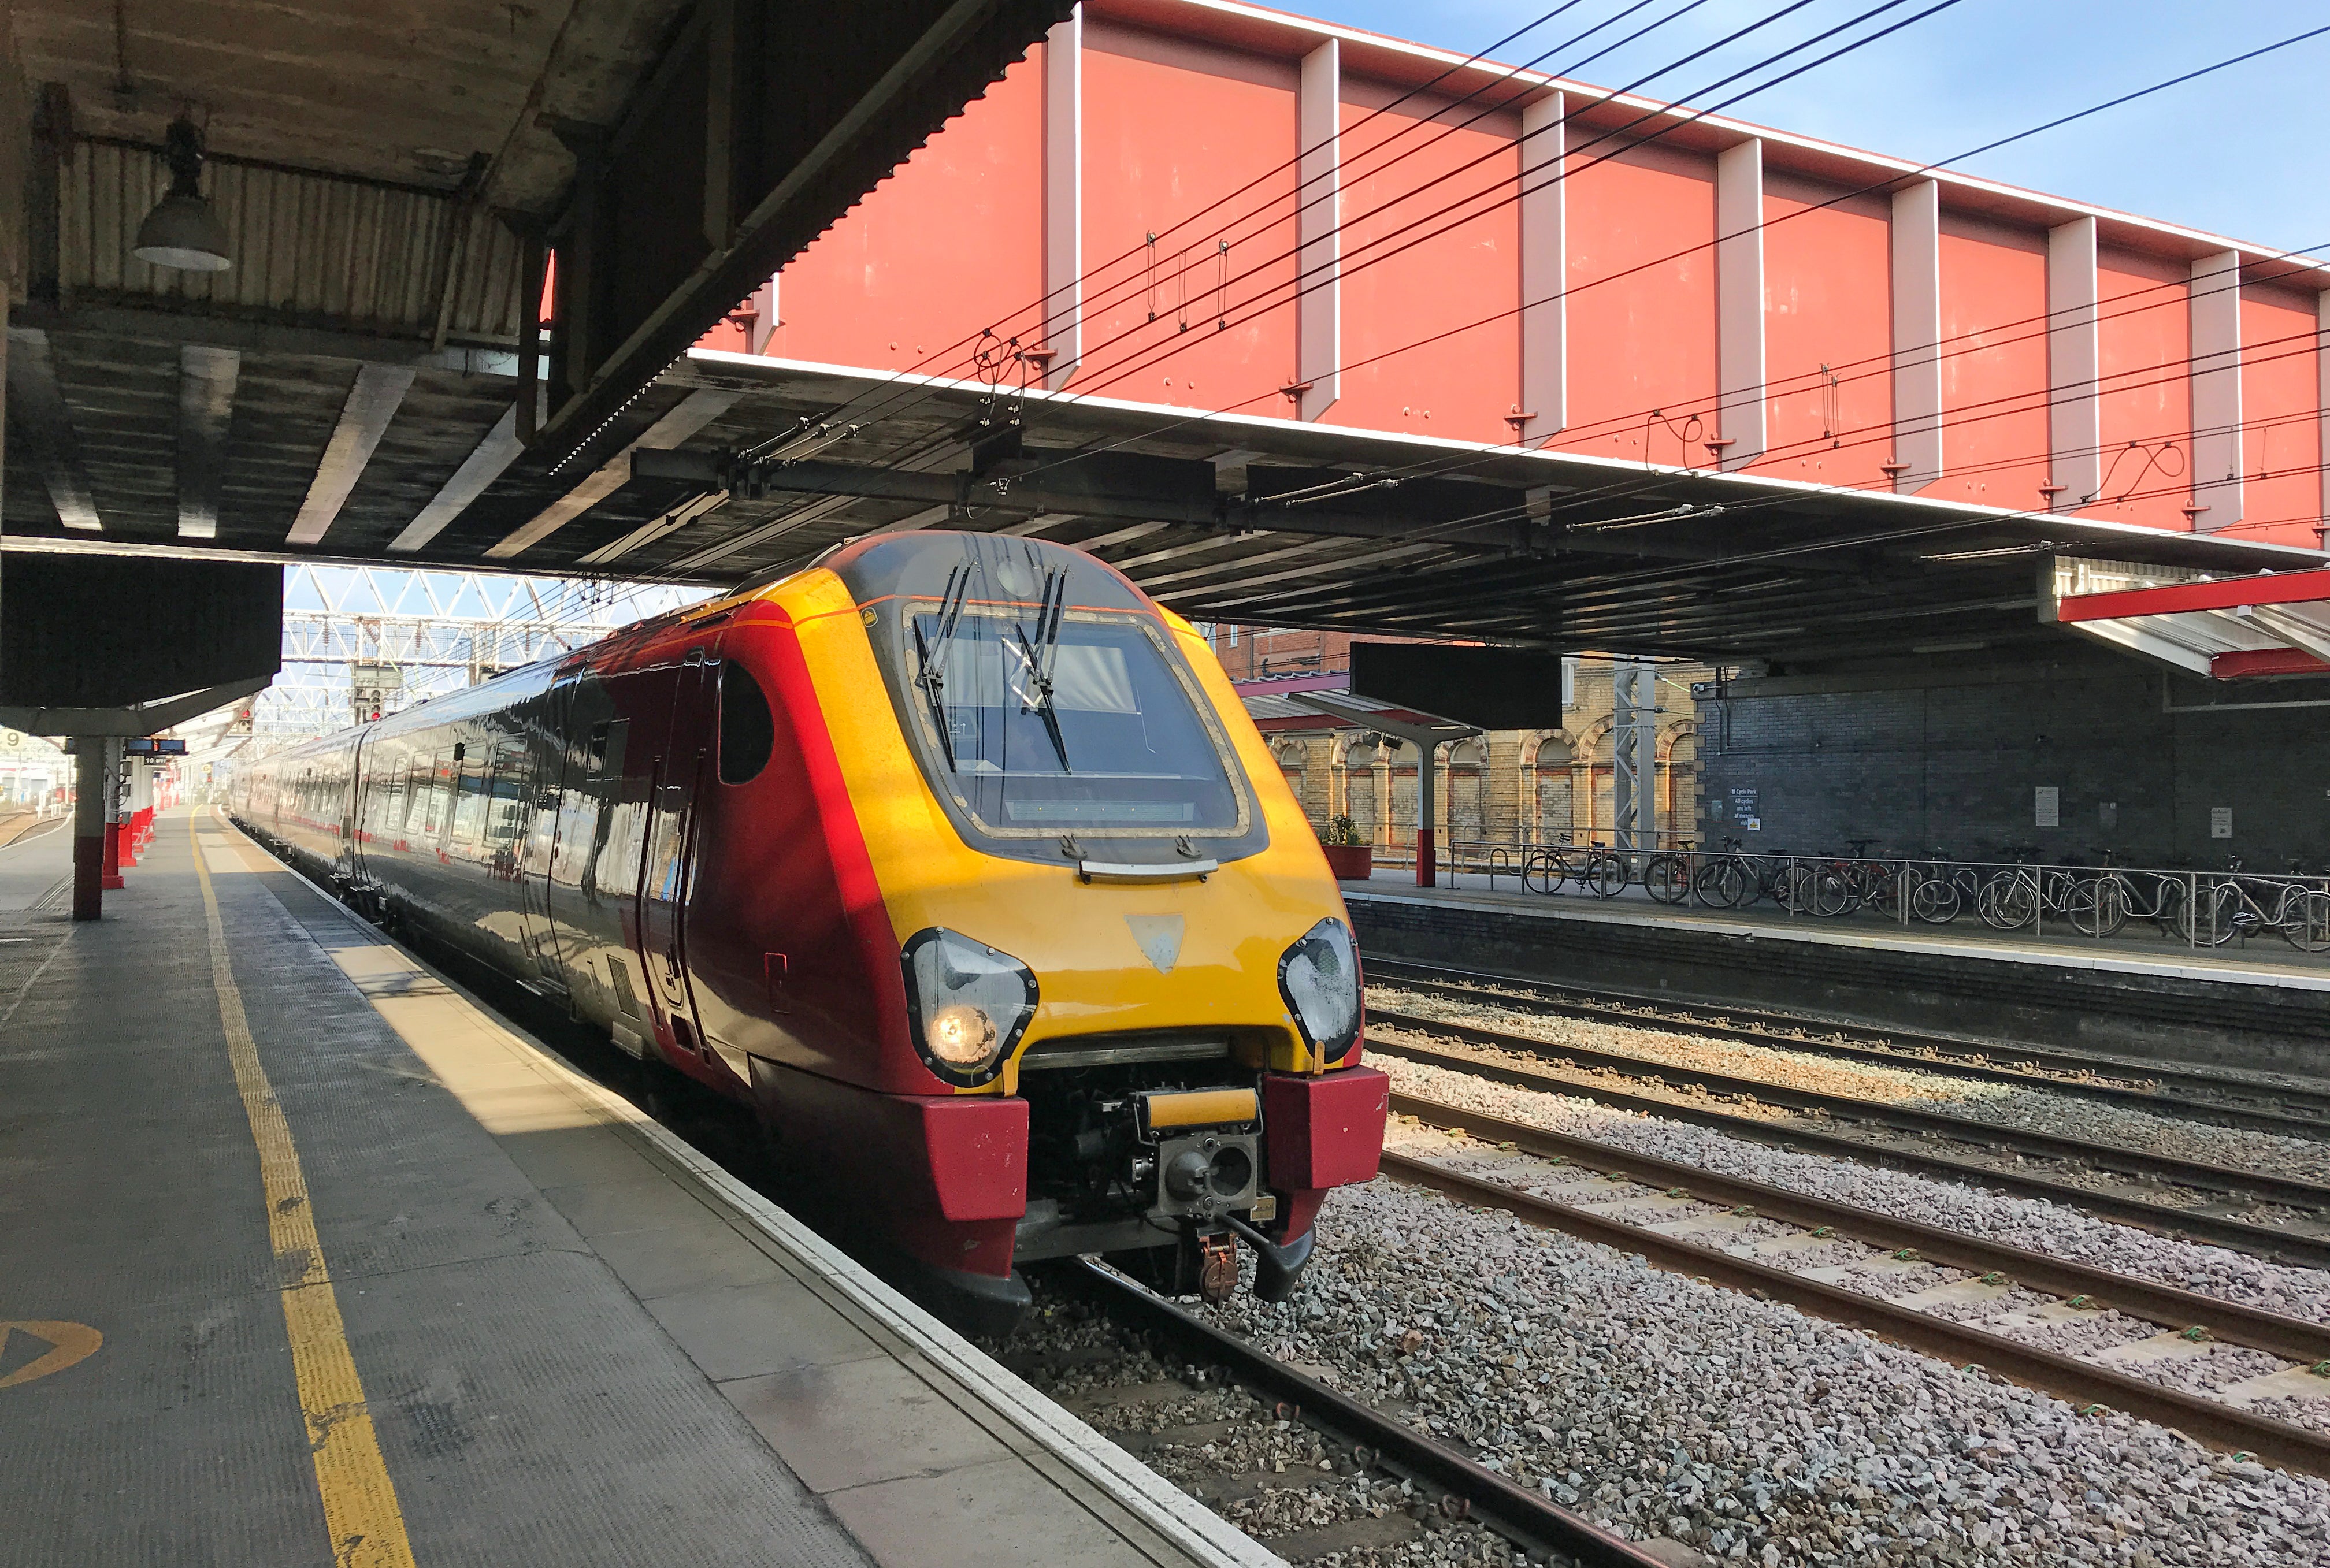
(1468, 1489)
(2213, 1422)
(1694, 1097)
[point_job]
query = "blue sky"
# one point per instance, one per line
(2240, 153)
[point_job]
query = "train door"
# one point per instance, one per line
(666, 869)
(535, 780)
(352, 805)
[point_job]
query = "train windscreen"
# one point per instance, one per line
(1078, 723)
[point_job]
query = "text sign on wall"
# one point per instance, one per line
(2048, 810)
(1746, 807)
(2220, 822)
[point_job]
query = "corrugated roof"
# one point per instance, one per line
(311, 249)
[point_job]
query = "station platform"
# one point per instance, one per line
(307, 1256)
(36, 866)
(2251, 1008)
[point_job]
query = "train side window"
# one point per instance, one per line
(469, 809)
(748, 732)
(433, 806)
(416, 797)
(505, 820)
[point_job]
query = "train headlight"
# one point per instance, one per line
(1320, 979)
(970, 1003)
(963, 1035)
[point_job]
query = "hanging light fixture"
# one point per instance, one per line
(182, 230)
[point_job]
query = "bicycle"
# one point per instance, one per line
(1667, 875)
(1941, 890)
(2235, 905)
(1596, 869)
(2025, 894)
(1730, 880)
(1822, 885)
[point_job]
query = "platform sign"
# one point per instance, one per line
(2220, 822)
(2047, 806)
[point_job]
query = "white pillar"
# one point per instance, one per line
(2074, 430)
(1064, 197)
(2322, 401)
(1318, 227)
(2216, 307)
(1545, 264)
(1739, 300)
(1917, 336)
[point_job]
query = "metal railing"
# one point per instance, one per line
(2192, 908)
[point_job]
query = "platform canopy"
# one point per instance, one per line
(1257, 518)
(385, 187)
(2225, 627)
(730, 465)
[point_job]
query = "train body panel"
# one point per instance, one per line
(953, 854)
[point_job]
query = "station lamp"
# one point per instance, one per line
(182, 230)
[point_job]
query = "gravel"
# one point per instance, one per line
(1199, 1431)
(2201, 1368)
(2032, 1224)
(1661, 1407)
(1995, 1104)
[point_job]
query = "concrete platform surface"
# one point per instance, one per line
(36, 868)
(306, 1257)
(2265, 960)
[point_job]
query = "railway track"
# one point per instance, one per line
(1698, 1203)
(2291, 1109)
(2265, 1240)
(1413, 1483)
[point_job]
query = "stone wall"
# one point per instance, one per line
(1508, 787)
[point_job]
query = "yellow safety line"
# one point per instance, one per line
(360, 1507)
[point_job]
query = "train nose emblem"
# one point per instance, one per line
(1158, 937)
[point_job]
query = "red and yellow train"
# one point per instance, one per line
(952, 853)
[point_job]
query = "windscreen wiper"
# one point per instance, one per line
(1039, 654)
(931, 651)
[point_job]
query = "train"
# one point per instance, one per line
(951, 855)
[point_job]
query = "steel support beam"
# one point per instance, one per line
(1545, 273)
(1063, 329)
(1635, 747)
(1319, 226)
(1739, 300)
(763, 125)
(46, 426)
(2216, 319)
(1917, 239)
(372, 402)
(2073, 363)
(206, 380)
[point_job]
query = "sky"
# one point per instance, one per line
(2237, 154)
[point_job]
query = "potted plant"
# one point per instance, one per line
(1350, 857)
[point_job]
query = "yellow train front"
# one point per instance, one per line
(953, 854)
(1117, 1003)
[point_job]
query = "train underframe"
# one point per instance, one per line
(1168, 1168)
